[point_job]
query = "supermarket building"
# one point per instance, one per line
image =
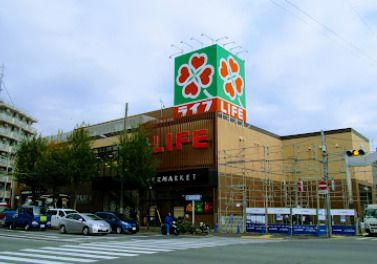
(204, 146)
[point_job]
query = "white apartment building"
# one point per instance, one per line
(14, 126)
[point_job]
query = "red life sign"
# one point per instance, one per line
(210, 105)
(199, 139)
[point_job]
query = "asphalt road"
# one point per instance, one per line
(54, 248)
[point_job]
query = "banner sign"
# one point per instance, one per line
(314, 230)
(344, 230)
(350, 212)
(299, 211)
(255, 211)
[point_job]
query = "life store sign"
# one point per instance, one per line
(210, 79)
(197, 138)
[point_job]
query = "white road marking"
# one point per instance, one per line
(93, 256)
(29, 260)
(44, 256)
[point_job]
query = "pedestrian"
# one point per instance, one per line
(168, 223)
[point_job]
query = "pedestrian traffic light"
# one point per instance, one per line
(355, 152)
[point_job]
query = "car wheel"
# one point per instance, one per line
(27, 227)
(85, 231)
(118, 230)
(62, 229)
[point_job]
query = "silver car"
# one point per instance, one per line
(83, 223)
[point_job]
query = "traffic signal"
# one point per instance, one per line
(355, 152)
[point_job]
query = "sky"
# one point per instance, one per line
(310, 65)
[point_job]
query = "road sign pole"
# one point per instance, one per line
(326, 178)
(193, 212)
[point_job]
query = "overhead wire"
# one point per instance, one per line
(351, 47)
(348, 43)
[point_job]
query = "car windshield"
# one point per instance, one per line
(371, 212)
(124, 218)
(92, 217)
(36, 210)
(3, 208)
(70, 212)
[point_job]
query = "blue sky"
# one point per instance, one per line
(310, 65)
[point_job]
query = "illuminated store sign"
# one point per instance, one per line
(210, 79)
(199, 140)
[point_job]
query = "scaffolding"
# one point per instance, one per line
(263, 176)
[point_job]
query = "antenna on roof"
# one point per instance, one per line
(208, 37)
(188, 45)
(242, 51)
(221, 38)
(228, 43)
(236, 47)
(200, 42)
(180, 50)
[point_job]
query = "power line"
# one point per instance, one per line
(346, 43)
(370, 29)
(334, 33)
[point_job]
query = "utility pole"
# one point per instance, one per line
(125, 130)
(326, 179)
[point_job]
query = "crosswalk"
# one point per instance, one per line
(53, 237)
(89, 252)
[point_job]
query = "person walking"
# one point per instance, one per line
(168, 222)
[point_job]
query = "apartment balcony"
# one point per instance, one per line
(15, 135)
(5, 162)
(5, 148)
(17, 123)
(5, 178)
(4, 194)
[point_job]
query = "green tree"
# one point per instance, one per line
(28, 158)
(53, 166)
(136, 163)
(82, 161)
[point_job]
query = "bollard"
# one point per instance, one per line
(238, 229)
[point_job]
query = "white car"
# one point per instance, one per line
(84, 223)
(57, 214)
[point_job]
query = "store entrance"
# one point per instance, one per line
(172, 199)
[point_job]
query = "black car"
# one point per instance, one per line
(119, 223)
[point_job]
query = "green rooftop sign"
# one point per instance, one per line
(209, 74)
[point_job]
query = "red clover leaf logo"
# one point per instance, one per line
(195, 76)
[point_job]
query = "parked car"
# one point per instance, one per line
(28, 217)
(4, 207)
(57, 213)
(119, 223)
(83, 223)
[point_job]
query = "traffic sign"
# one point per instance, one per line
(300, 186)
(193, 197)
(322, 187)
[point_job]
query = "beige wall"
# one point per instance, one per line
(271, 166)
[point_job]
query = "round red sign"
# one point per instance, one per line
(322, 185)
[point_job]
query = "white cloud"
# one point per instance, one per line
(73, 61)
